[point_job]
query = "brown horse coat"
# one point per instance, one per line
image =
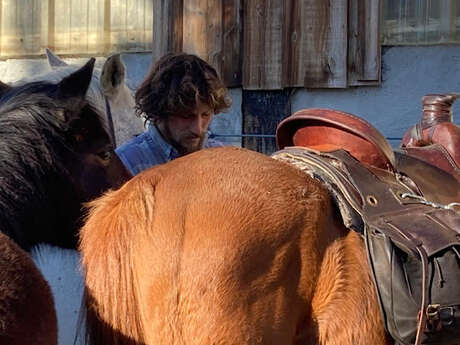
(27, 315)
(225, 246)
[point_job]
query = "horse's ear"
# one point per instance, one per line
(4, 88)
(72, 89)
(113, 75)
(53, 60)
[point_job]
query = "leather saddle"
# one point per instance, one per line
(405, 208)
(326, 130)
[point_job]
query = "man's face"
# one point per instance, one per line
(186, 132)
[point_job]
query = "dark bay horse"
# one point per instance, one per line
(56, 152)
(225, 246)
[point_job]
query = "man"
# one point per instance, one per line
(179, 97)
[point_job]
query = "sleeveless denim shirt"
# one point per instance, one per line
(149, 149)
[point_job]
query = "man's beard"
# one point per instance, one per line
(181, 149)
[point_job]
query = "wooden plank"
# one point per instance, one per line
(118, 25)
(167, 27)
(213, 34)
(422, 19)
(78, 29)
(364, 61)
(107, 25)
(132, 25)
(194, 27)
(139, 38)
(202, 30)
(316, 39)
(232, 42)
(262, 46)
(96, 37)
(62, 26)
(9, 34)
(292, 36)
(1, 26)
(44, 24)
(22, 26)
(28, 25)
(448, 18)
(148, 25)
(262, 111)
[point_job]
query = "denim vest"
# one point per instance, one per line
(149, 149)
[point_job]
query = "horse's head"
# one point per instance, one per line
(109, 92)
(57, 145)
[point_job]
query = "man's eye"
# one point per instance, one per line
(206, 115)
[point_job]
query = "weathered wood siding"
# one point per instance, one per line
(263, 44)
(256, 44)
(274, 44)
(316, 43)
(74, 26)
(363, 47)
(211, 29)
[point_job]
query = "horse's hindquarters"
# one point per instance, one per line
(233, 254)
(227, 244)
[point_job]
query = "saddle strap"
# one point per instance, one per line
(370, 197)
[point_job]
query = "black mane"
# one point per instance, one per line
(35, 193)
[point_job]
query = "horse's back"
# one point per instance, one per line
(229, 250)
(27, 315)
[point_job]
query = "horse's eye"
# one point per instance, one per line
(105, 155)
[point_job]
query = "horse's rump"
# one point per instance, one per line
(222, 246)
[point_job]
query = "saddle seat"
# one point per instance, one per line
(328, 130)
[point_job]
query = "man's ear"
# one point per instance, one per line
(53, 60)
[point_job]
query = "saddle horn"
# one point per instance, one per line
(437, 108)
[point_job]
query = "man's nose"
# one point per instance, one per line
(198, 125)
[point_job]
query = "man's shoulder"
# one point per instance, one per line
(137, 154)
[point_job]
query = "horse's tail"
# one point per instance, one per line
(116, 222)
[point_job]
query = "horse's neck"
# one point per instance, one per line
(37, 208)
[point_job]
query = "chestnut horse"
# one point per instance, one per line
(56, 153)
(225, 246)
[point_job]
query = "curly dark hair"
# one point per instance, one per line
(175, 83)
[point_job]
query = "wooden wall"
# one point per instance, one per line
(256, 44)
(274, 44)
(74, 27)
